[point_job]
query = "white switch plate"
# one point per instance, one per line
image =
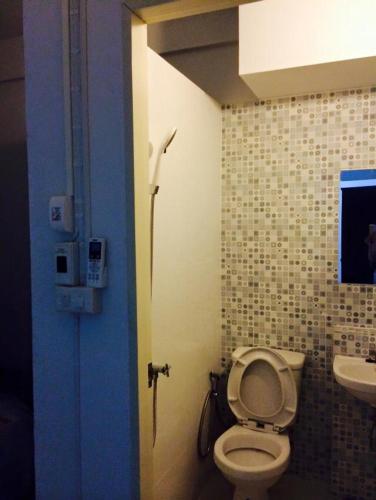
(61, 213)
(78, 299)
(67, 270)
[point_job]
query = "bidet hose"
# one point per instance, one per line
(211, 404)
(155, 394)
(152, 206)
(204, 453)
(372, 436)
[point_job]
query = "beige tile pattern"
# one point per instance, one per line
(280, 174)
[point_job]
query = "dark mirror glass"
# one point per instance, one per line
(357, 227)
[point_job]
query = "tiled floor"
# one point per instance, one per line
(288, 488)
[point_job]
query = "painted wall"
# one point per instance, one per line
(55, 341)
(108, 354)
(280, 177)
(186, 285)
(85, 369)
(16, 436)
(15, 340)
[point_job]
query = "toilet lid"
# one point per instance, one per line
(261, 388)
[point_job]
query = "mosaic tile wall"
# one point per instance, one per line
(280, 176)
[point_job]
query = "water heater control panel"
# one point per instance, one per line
(96, 265)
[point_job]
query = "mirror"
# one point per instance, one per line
(357, 227)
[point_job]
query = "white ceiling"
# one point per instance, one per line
(205, 49)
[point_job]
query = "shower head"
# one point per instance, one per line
(169, 139)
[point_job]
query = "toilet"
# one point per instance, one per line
(262, 392)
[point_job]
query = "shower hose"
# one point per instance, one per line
(155, 394)
(155, 377)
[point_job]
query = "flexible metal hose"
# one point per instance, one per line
(155, 378)
(152, 204)
(204, 453)
(155, 394)
(211, 404)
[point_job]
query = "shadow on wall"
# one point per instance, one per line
(15, 340)
(16, 415)
(16, 418)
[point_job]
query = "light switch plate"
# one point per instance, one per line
(61, 213)
(78, 299)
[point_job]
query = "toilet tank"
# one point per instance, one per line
(295, 360)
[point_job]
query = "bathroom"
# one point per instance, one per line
(237, 199)
(280, 160)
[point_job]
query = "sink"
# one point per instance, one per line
(357, 377)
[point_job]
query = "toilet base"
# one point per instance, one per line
(241, 494)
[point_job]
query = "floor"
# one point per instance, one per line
(288, 488)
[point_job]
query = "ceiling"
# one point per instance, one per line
(153, 11)
(205, 49)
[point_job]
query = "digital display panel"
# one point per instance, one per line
(61, 264)
(95, 250)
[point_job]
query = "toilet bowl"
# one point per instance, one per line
(262, 393)
(251, 460)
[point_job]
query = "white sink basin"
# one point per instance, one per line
(357, 377)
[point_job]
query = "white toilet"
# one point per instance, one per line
(262, 392)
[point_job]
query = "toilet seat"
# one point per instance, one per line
(261, 389)
(262, 394)
(277, 446)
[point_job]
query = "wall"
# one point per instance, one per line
(280, 175)
(15, 341)
(16, 436)
(85, 369)
(55, 342)
(108, 342)
(186, 286)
